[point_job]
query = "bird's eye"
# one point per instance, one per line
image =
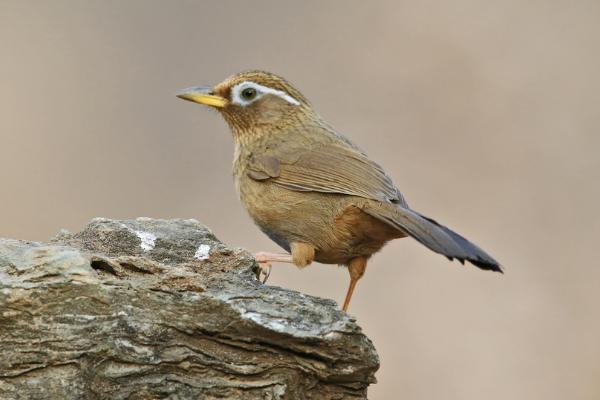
(248, 93)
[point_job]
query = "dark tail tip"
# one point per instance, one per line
(482, 264)
(486, 265)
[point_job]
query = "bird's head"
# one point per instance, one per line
(252, 102)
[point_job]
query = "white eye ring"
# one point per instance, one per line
(237, 98)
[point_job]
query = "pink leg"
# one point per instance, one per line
(265, 259)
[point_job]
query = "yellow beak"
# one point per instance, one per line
(203, 95)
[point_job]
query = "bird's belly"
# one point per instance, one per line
(338, 230)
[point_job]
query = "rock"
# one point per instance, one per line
(153, 309)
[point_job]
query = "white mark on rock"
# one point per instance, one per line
(202, 252)
(333, 336)
(147, 239)
(80, 317)
(275, 324)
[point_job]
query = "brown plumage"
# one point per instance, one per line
(310, 189)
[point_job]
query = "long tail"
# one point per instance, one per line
(431, 234)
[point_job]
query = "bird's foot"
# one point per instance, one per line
(264, 269)
(264, 260)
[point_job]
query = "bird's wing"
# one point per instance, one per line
(329, 168)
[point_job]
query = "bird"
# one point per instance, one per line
(311, 189)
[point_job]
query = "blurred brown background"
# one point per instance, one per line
(485, 114)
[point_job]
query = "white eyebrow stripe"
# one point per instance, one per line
(261, 89)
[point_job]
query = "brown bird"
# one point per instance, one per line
(310, 189)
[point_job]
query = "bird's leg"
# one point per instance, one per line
(265, 259)
(302, 255)
(356, 268)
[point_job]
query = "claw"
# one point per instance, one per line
(264, 268)
(264, 260)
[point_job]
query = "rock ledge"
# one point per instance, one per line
(153, 309)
